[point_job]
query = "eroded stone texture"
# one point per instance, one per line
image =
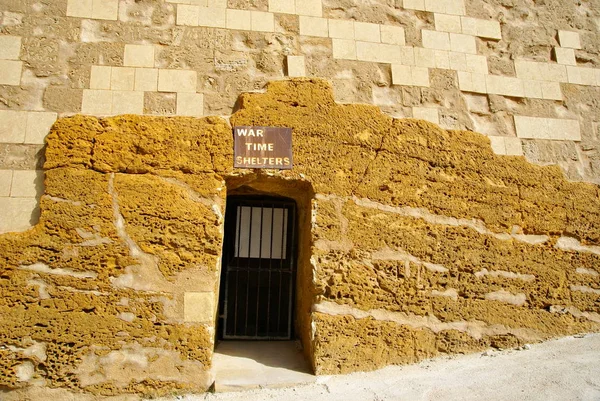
(417, 241)
(97, 281)
(427, 242)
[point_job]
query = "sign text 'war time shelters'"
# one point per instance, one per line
(263, 147)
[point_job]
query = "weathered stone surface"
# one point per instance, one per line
(418, 241)
(15, 156)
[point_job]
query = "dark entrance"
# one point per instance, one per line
(258, 272)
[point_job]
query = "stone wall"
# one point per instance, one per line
(114, 290)
(416, 241)
(524, 73)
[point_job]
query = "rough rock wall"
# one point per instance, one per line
(114, 290)
(504, 68)
(423, 241)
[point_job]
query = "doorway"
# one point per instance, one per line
(256, 301)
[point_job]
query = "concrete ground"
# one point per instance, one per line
(564, 369)
(245, 365)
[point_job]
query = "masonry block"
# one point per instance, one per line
(505, 86)
(498, 144)
(553, 72)
(187, 15)
(420, 76)
(547, 128)
(551, 90)
(122, 78)
(488, 29)
(341, 29)
(476, 63)
(533, 89)
(127, 102)
(105, 9)
(96, 102)
(214, 17)
(470, 82)
(409, 75)
(447, 23)
(100, 77)
(10, 47)
(296, 66)
(312, 8)
(367, 32)
(468, 25)
(569, 39)
(581, 76)
(216, 3)
(401, 75)
(527, 69)
(571, 130)
(79, 8)
(564, 56)
(462, 43)
(377, 52)
(313, 26)
(19, 214)
(5, 182)
(425, 57)
(513, 146)
(531, 127)
(13, 125)
(414, 5)
(10, 72)
(27, 183)
(393, 35)
(344, 49)
(199, 307)
(239, 19)
(282, 6)
(190, 104)
(38, 126)
(426, 113)
(146, 79)
(262, 21)
(435, 40)
(442, 59)
(435, 6)
(458, 61)
(139, 56)
(479, 83)
(177, 80)
(407, 55)
(455, 7)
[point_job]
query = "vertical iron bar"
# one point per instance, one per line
(248, 269)
(270, 271)
(283, 227)
(259, 266)
(291, 254)
(237, 272)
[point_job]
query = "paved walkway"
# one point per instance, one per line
(565, 369)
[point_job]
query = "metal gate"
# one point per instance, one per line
(258, 269)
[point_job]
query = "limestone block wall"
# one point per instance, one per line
(417, 241)
(525, 74)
